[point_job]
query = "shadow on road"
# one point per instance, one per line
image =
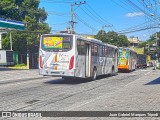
(154, 82)
(5, 69)
(75, 81)
(72, 82)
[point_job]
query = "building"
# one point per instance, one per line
(134, 41)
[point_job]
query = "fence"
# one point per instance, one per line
(33, 60)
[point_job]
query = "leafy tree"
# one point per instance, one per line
(143, 44)
(112, 38)
(122, 41)
(34, 17)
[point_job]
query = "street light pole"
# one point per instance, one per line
(11, 40)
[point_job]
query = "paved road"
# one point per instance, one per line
(135, 91)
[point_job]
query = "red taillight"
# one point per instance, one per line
(71, 63)
(40, 61)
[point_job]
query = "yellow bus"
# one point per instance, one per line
(127, 59)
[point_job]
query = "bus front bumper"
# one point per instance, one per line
(126, 67)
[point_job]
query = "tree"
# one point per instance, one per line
(143, 44)
(34, 17)
(112, 38)
(122, 41)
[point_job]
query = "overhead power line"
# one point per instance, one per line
(85, 23)
(96, 14)
(93, 18)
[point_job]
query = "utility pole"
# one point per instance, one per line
(72, 22)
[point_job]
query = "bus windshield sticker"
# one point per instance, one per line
(123, 54)
(123, 57)
(53, 42)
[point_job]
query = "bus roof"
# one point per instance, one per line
(90, 39)
(111, 45)
(84, 38)
(126, 49)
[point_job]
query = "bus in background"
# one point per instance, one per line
(72, 56)
(141, 61)
(127, 59)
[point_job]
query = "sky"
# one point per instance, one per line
(109, 15)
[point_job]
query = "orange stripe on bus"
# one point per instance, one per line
(55, 68)
(55, 58)
(123, 67)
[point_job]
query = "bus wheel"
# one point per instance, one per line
(113, 72)
(94, 76)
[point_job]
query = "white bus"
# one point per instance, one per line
(71, 56)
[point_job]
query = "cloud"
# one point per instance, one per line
(135, 14)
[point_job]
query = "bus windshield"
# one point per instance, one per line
(123, 53)
(57, 43)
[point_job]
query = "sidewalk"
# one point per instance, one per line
(10, 75)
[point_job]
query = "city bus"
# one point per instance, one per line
(141, 61)
(73, 56)
(127, 59)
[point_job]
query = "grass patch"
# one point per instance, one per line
(20, 65)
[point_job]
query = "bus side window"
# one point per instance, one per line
(96, 50)
(83, 48)
(79, 47)
(109, 52)
(100, 50)
(103, 52)
(106, 52)
(113, 52)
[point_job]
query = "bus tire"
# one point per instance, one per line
(113, 71)
(94, 74)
